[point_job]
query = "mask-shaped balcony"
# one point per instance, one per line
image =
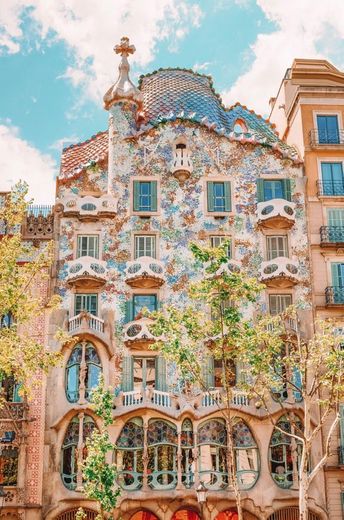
(145, 273)
(89, 208)
(87, 272)
(280, 272)
(276, 214)
(137, 333)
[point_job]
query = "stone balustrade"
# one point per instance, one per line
(145, 272)
(276, 213)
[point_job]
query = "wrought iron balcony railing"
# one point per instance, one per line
(331, 234)
(326, 138)
(334, 295)
(331, 188)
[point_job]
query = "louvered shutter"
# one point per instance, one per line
(154, 195)
(127, 374)
(160, 377)
(228, 197)
(287, 189)
(208, 378)
(260, 190)
(136, 186)
(210, 196)
(341, 431)
(129, 311)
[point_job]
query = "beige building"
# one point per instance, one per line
(308, 112)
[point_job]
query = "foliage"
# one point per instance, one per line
(21, 267)
(99, 474)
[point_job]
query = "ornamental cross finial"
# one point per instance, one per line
(124, 48)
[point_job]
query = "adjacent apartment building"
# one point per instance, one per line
(308, 112)
(176, 166)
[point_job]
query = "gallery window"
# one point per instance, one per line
(219, 197)
(129, 454)
(82, 372)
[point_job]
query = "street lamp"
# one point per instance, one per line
(201, 493)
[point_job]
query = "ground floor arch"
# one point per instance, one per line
(231, 514)
(186, 514)
(291, 513)
(143, 515)
(70, 514)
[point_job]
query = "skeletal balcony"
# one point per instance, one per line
(86, 272)
(145, 273)
(276, 213)
(280, 272)
(88, 207)
(182, 164)
(137, 333)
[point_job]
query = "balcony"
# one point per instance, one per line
(182, 165)
(280, 272)
(137, 333)
(331, 236)
(86, 272)
(86, 323)
(89, 208)
(334, 295)
(215, 398)
(290, 325)
(276, 214)
(146, 397)
(13, 411)
(145, 273)
(330, 188)
(320, 139)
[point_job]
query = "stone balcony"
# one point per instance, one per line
(86, 323)
(136, 333)
(86, 272)
(145, 273)
(280, 272)
(276, 214)
(89, 207)
(182, 165)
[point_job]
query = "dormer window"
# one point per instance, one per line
(181, 165)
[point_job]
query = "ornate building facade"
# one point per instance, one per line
(174, 166)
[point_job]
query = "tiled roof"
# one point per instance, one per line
(170, 94)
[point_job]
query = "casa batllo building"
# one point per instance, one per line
(174, 166)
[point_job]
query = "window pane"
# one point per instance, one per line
(219, 196)
(328, 129)
(88, 246)
(273, 190)
(279, 302)
(145, 245)
(86, 302)
(217, 240)
(144, 300)
(145, 196)
(276, 246)
(332, 178)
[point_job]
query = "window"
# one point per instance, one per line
(6, 320)
(332, 178)
(144, 372)
(139, 302)
(71, 455)
(9, 389)
(145, 196)
(217, 240)
(219, 197)
(219, 373)
(88, 245)
(276, 246)
(328, 131)
(278, 303)
(82, 372)
(273, 189)
(337, 272)
(162, 440)
(145, 245)
(86, 302)
(129, 454)
(283, 448)
(187, 445)
(8, 465)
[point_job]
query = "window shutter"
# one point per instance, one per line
(160, 378)
(298, 383)
(129, 311)
(210, 196)
(260, 190)
(208, 372)
(228, 197)
(136, 185)
(127, 374)
(154, 196)
(287, 189)
(335, 274)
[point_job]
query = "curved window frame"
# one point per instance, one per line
(187, 444)
(160, 451)
(83, 367)
(131, 478)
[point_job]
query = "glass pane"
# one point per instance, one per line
(279, 303)
(273, 190)
(73, 383)
(92, 377)
(217, 240)
(219, 196)
(138, 372)
(328, 129)
(145, 196)
(335, 217)
(148, 301)
(145, 245)
(277, 246)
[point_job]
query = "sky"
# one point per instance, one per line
(57, 61)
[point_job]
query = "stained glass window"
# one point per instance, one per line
(187, 444)
(75, 377)
(161, 432)
(69, 461)
(129, 454)
(213, 432)
(162, 442)
(285, 453)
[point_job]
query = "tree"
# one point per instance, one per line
(306, 370)
(21, 266)
(100, 475)
(187, 330)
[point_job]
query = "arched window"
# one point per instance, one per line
(246, 454)
(240, 127)
(129, 455)
(162, 443)
(285, 453)
(187, 444)
(74, 449)
(82, 372)
(185, 514)
(212, 442)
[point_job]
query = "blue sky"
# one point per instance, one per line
(56, 62)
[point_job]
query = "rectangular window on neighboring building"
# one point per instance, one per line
(145, 196)
(278, 303)
(145, 245)
(219, 197)
(217, 240)
(276, 246)
(88, 245)
(328, 131)
(332, 178)
(86, 302)
(273, 189)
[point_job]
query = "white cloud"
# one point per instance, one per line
(301, 30)
(19, 160)
(63, 142)
(201, 67)
(90, 30)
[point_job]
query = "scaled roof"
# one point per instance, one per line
(171, 94)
